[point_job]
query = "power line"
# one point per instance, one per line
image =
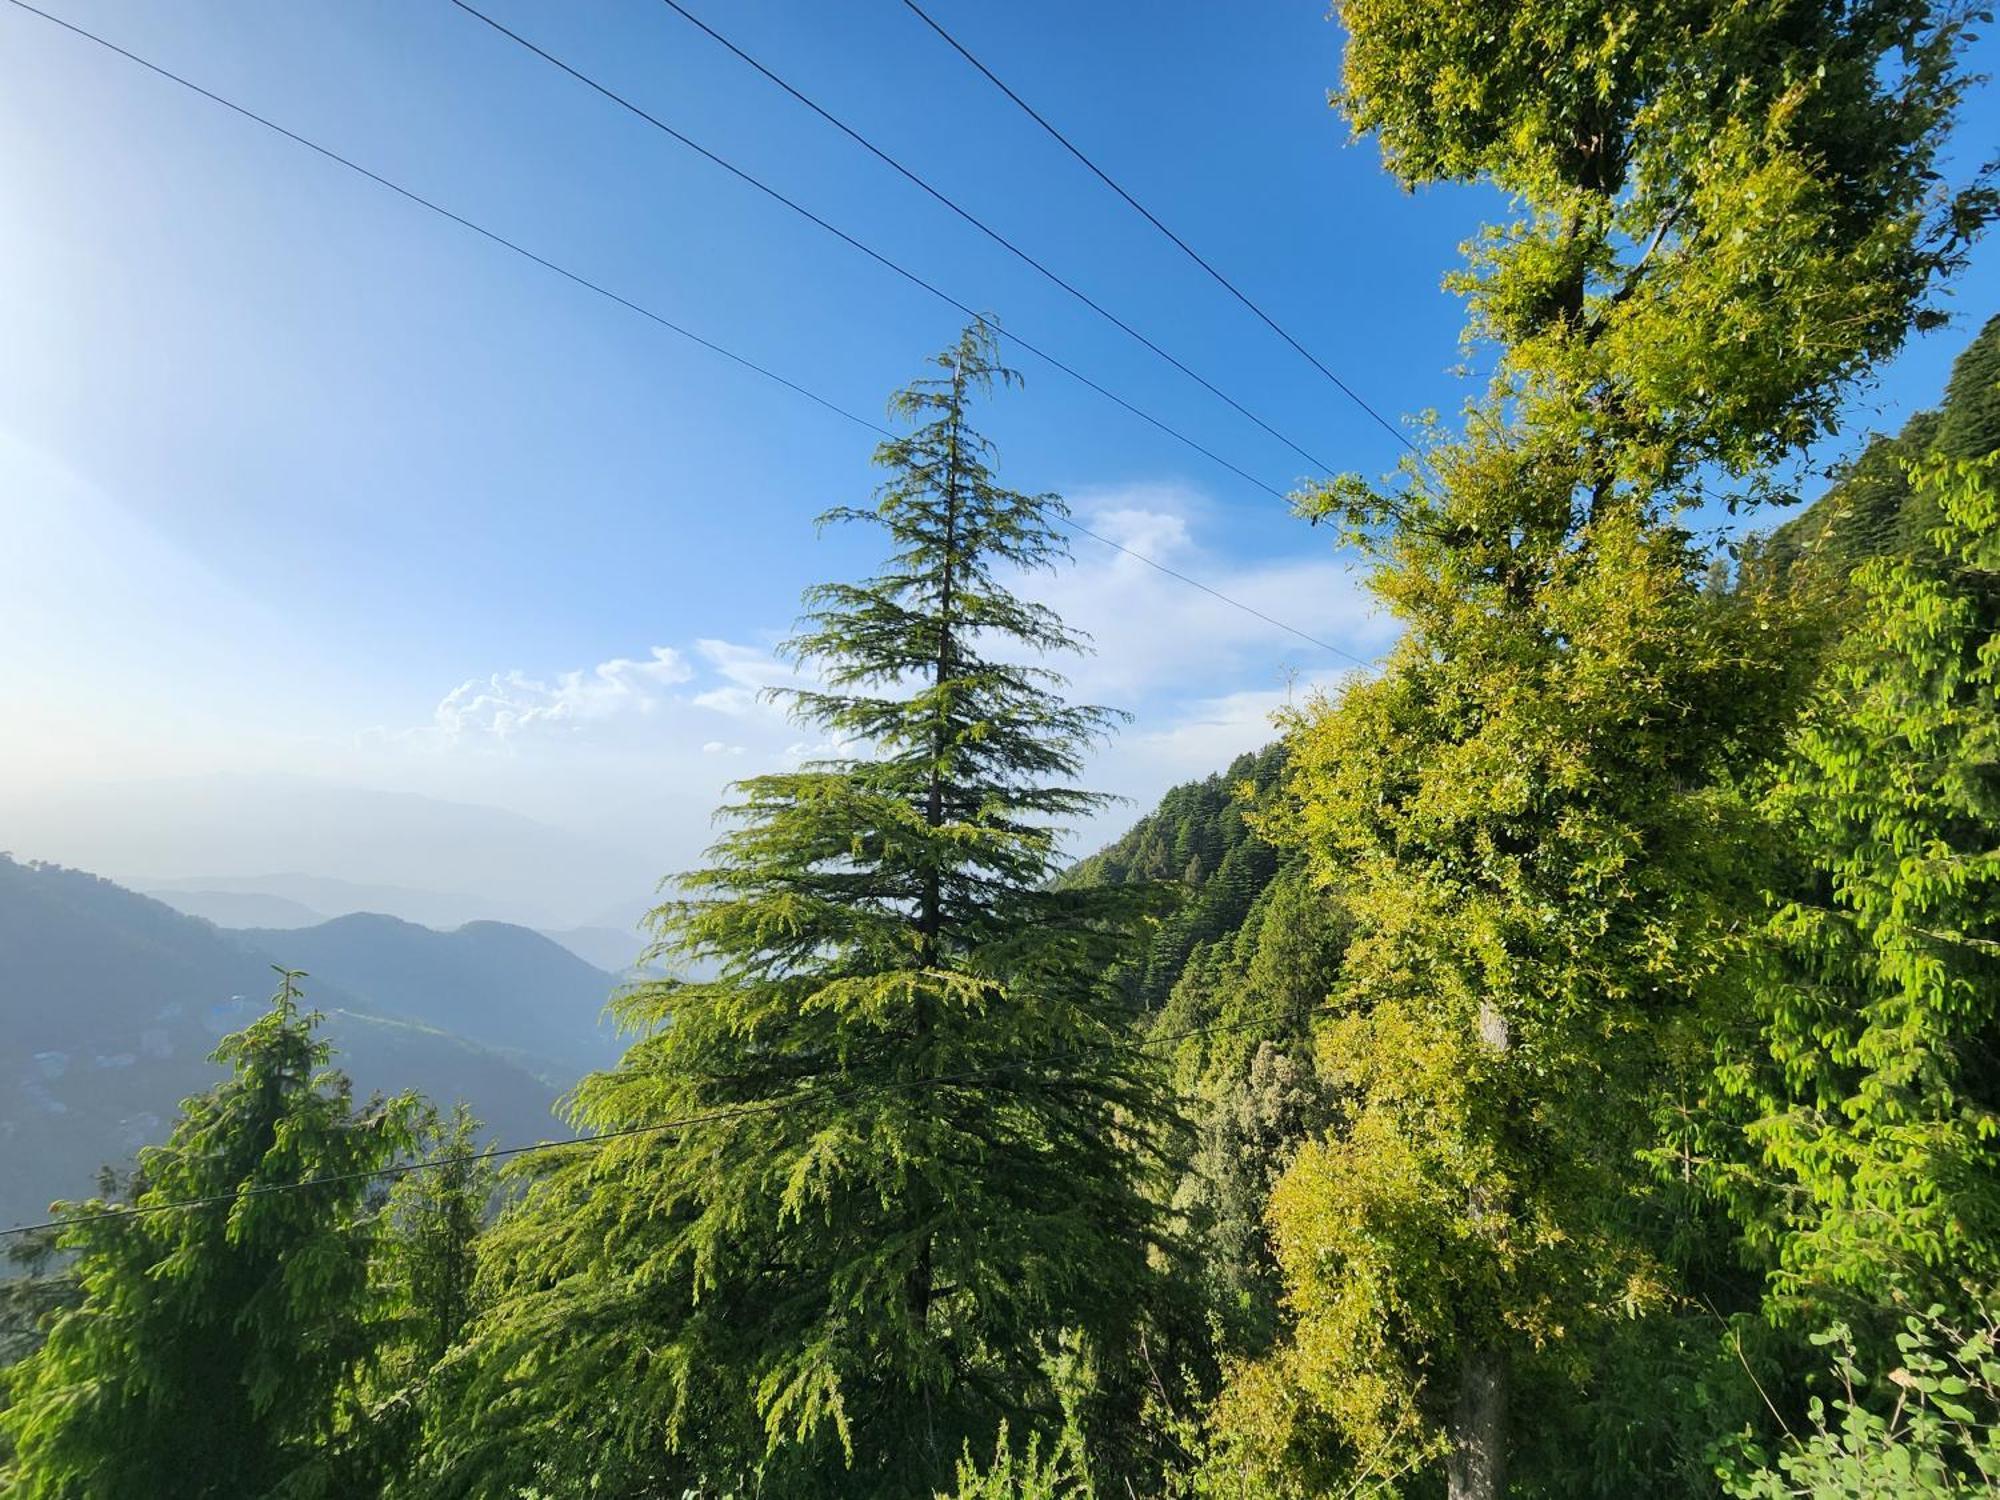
(966, 309)
(1186, 249)
(1236, 603)
(601, 290)
(991, 233)
(766, 1107)
(438, 208)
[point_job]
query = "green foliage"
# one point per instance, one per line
(435, 1217)
(1969, 426)
(1063, 1473)
(1872, 1079)
(1934, 1434)
(1726, 212)
(1200, 837)
(425, 1267)
(219, 1351)
(1874, 510)
(918, 1147)
(1240, 1020)
(1538, 814)
(38, 1285)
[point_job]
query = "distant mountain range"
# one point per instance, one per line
(291, 900)
(229, 908)
(110, 1002)
(504, 986)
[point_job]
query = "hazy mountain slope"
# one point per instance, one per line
(612, 949)
(238, 908)
(150, 832)
(110, 1002)
(500, 985)
(332, 897)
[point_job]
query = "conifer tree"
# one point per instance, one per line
(435, 1217)
(216, 1352)
(426, 1267)
(919, 1150)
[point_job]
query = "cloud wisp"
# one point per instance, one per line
(507, 704)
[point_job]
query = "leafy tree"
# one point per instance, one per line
(217, 1351)
(918, 1151)
(1063, 1473)
(1534, 814)
(1873, 1075)
(1933, 1434)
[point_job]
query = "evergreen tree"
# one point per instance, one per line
(216, 1352)
(919, 1150)
(426, 1269)
(435, 1217)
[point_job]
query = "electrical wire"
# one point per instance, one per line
(964, 308)
(991, 233)
(1186, 249)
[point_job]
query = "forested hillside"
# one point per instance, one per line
(1875, 509)
(515, 990)
(1200, 840)
(1565, 1064)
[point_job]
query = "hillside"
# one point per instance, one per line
(512, 989)
(227, 908)
(1871, 510)
(1197, 838)
(110, 1002)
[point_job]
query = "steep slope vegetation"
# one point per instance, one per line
(1872, 510)
(1199, 839)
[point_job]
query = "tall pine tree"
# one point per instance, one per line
(920, 1145)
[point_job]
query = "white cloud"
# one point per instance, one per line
(1154, 635)
(512, 703)
(748, 674)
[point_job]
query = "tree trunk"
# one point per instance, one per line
(1476, 1467)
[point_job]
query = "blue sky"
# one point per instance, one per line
(289, 462)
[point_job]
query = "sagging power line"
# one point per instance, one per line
(1147, 214)
(966, 309)
(993, 234)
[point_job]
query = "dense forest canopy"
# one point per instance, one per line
(1564, 1063)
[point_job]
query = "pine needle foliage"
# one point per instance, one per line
(930, 1144)
(220, 1351)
